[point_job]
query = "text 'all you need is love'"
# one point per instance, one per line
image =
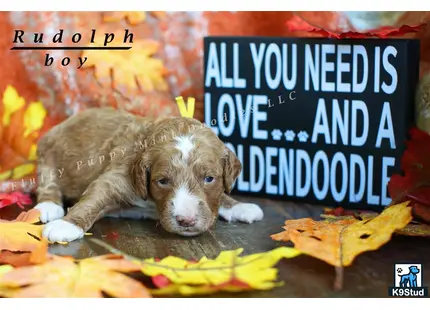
(335, 141)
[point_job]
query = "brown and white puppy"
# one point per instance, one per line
(112, 163)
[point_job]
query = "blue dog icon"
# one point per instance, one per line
(410, 278)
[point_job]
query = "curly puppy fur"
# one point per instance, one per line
(112, 163)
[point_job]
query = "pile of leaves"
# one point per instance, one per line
(29, 270)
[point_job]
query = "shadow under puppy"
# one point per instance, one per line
(112, 163)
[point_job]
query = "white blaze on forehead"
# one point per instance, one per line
(185, 145)
(185, 203)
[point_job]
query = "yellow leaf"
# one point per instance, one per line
(227, 272)
(23, 170)
(34, 117)
(186, 110)
(12, 102)
(338, 243)
(15, 236)
(33, 152)
(128, 66)
(412, 229)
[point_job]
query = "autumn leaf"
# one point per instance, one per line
(414, 185)
(32, 216)
(65, 277)
(17, 259)
(413, 229)
(132, 69)
(228, 272)
(19, 234)
(20, 126)
(340, 242)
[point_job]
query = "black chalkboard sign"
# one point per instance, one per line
(314, 120)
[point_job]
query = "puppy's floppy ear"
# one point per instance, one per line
(139, 173)
(232, 169)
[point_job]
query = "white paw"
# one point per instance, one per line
(49, 211)
(62, 231)
(242, 212)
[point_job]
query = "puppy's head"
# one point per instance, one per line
(184, 169)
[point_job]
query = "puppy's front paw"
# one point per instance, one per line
(49, 211)
(242, 212)
(62, 231)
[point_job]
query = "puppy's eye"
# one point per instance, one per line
(163, 182)
(209, 179)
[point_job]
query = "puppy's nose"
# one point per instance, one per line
(186, 221)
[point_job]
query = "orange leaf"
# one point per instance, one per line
(339, 242)
(38, 256)
(132, 69)
(63, 277)
(31, 217)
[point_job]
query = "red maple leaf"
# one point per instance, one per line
(414, 184)
(298, 24)
(21, 199)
